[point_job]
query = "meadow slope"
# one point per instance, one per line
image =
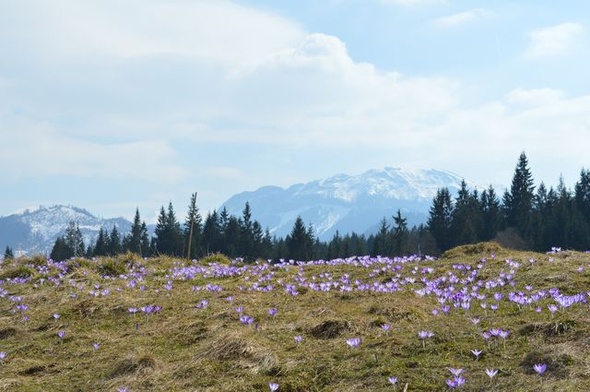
(479, 318)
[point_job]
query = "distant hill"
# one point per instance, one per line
(346, 203)
(35, 231)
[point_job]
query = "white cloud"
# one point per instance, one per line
(215, 30)
(553, 41)
(459, 18)
(37, 149)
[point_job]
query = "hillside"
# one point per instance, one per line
(340, 325)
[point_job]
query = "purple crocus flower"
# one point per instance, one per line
(272, 311)
(491, 372)
(455, 372)
(456, 382)
(62, 335)
(477, 353)
(354, 342)
(273, 386)
(246, 320)
(2, 355)
(540, 368)
(298, 339)
(392, 380)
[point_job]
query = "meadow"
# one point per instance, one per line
(479, 318)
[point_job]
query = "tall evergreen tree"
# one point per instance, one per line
(466, 219)
(135, 241)
(101, 248)
(115, 245)
(381, 244)
(211, 233)
(193, 227)
(491, 214)
(440, 219)
(582, 194)
(75, 240)
(399, 233)
(168, 234)
(300, 241)
(247, 241)
(61, 251)
(8, 253)
(518, 202)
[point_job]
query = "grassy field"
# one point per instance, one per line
(359, 324)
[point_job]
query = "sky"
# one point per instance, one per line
(115, 105)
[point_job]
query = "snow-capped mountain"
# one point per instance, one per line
(346, 203)
(35, 231)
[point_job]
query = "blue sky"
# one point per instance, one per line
(112, 105)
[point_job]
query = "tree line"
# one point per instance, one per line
(524, 217)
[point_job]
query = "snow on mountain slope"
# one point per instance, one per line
(346, 203)
(35, 231)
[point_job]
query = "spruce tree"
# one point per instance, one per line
(61, 251)
(491, 214)
(399, 233)
(102, 245)
(168, 239)
(440, 219)
(466, 219)
(114, 246)
(518, 202)
(8, 253)
(133, 242)
(74, 239)
(211, 233)
(299, 242)
(246, 240)
(381, 244)
(193, 227)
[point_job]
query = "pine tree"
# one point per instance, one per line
(134, 242)
(440, 219)
(74, 239)
(8, 253)
(61, 251)
(193, 227)
(466, 219)
(491, 214)
(102, 245)
(299, 242)
(246, 241)
(211, 233)
(399, 233)
(381, 240)
(518, 202)
(114, 245)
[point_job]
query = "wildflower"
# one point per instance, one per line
(298, 339)
(386, 327)
(456, 382)
(273, 386)
(455, 372)
(2, 355)
(272, 312)
(203, 304)
(354, 342)
(132, 310)
(539, 368)
(240, 309)
(477, 353)
(491, 372)
(246, 320)
(392, 380)
(96, 345)
(62, 335)
(56, 316)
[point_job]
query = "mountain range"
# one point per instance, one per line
(341, 203)
(346, 203)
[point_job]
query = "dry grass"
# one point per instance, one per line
(192, 346)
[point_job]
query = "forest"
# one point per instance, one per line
(524, 217)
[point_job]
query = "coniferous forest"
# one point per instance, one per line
(525, 217)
